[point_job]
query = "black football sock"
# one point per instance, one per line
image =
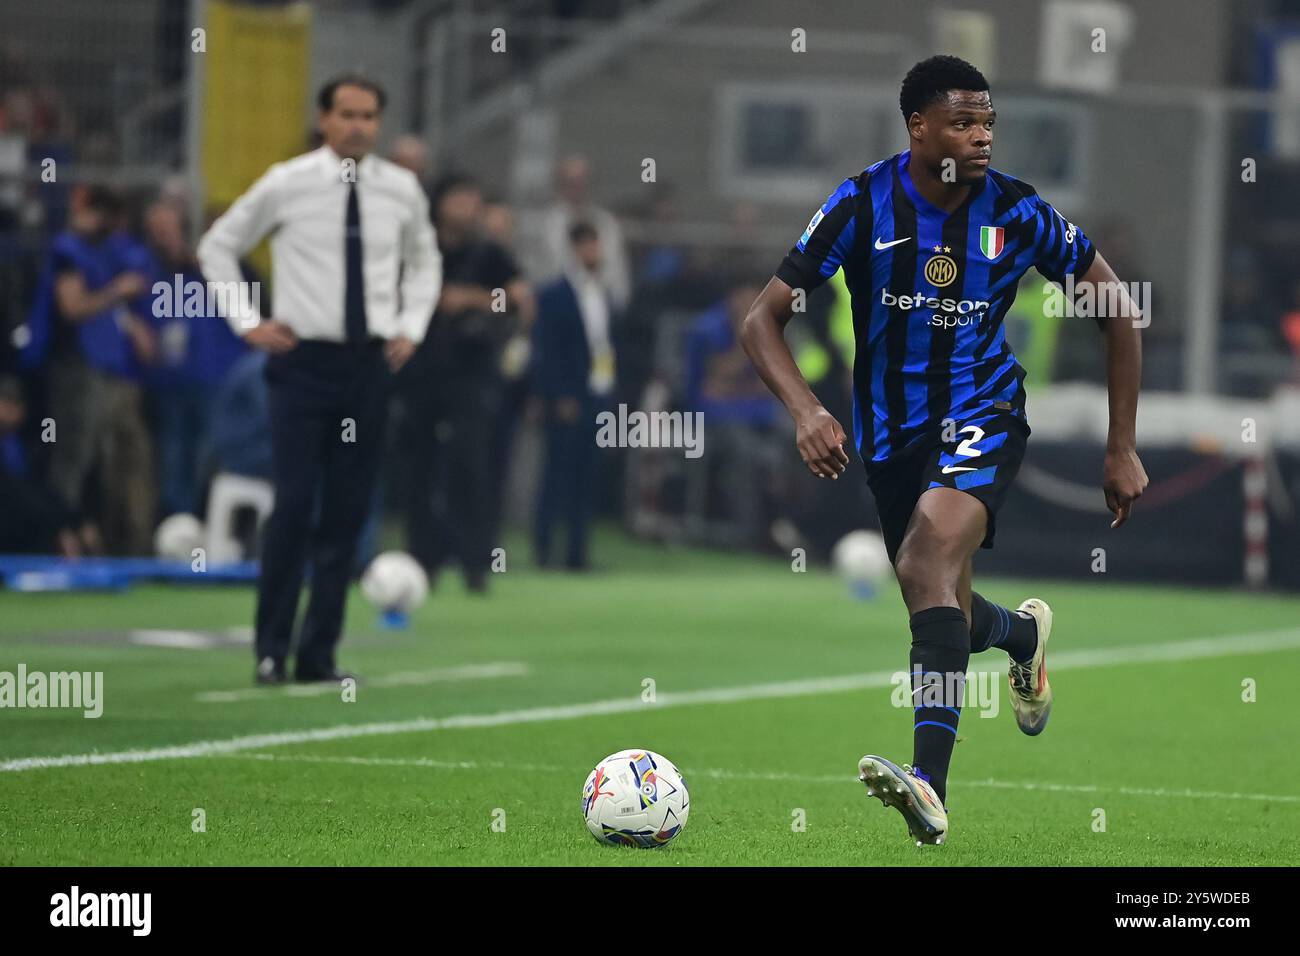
(992, 625)
(940, 653)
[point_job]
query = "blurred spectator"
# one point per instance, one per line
(573, 204)
(241, 420)
(573, 374)
(664, 261)
(741, 417)
(96, 347)
(175, 189)
(197, 347)
(718, 382)
(499, 224)
(411, 152)
(451, 390)
(34, 519)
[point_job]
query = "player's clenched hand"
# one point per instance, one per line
(1123, 481)
(821, 443)
(273, 336)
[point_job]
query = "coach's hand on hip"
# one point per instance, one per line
(272, 336)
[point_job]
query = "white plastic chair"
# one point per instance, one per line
(229, 493)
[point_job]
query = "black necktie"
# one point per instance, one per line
(354, 289)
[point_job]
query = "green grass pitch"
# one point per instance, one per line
(1165, 751)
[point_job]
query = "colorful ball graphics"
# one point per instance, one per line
(635, 798)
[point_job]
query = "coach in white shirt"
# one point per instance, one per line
(356, 274)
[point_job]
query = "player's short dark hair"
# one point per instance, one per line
(325, 98)
(581, 231)
(931, 80)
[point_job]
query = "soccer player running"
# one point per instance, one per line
(933, 243)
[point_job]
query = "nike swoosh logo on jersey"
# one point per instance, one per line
(886, 245)
(949, 469)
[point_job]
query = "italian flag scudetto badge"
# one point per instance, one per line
(991, 241)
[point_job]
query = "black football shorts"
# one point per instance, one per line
(981, 459)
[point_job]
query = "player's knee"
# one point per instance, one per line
(915, 574)
(928, 573)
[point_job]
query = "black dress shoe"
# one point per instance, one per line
(269, 672)
(331, 676)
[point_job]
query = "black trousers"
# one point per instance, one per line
(449, 464)
(328, 405)
(32, 516)
(568, 483)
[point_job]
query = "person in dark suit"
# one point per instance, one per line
(573, 374)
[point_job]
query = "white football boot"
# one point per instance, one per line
(1031, 694)
(900, 788)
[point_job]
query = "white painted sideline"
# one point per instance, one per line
(1228, 646)
(186, 640)
(453, 674)
(190, 640)
(717, 774)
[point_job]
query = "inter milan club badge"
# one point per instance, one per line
(991, 241)
(940, 270)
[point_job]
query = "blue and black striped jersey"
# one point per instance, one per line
(929, 292)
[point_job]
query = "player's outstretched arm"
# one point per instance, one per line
(1123, 477)
(818, 435)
